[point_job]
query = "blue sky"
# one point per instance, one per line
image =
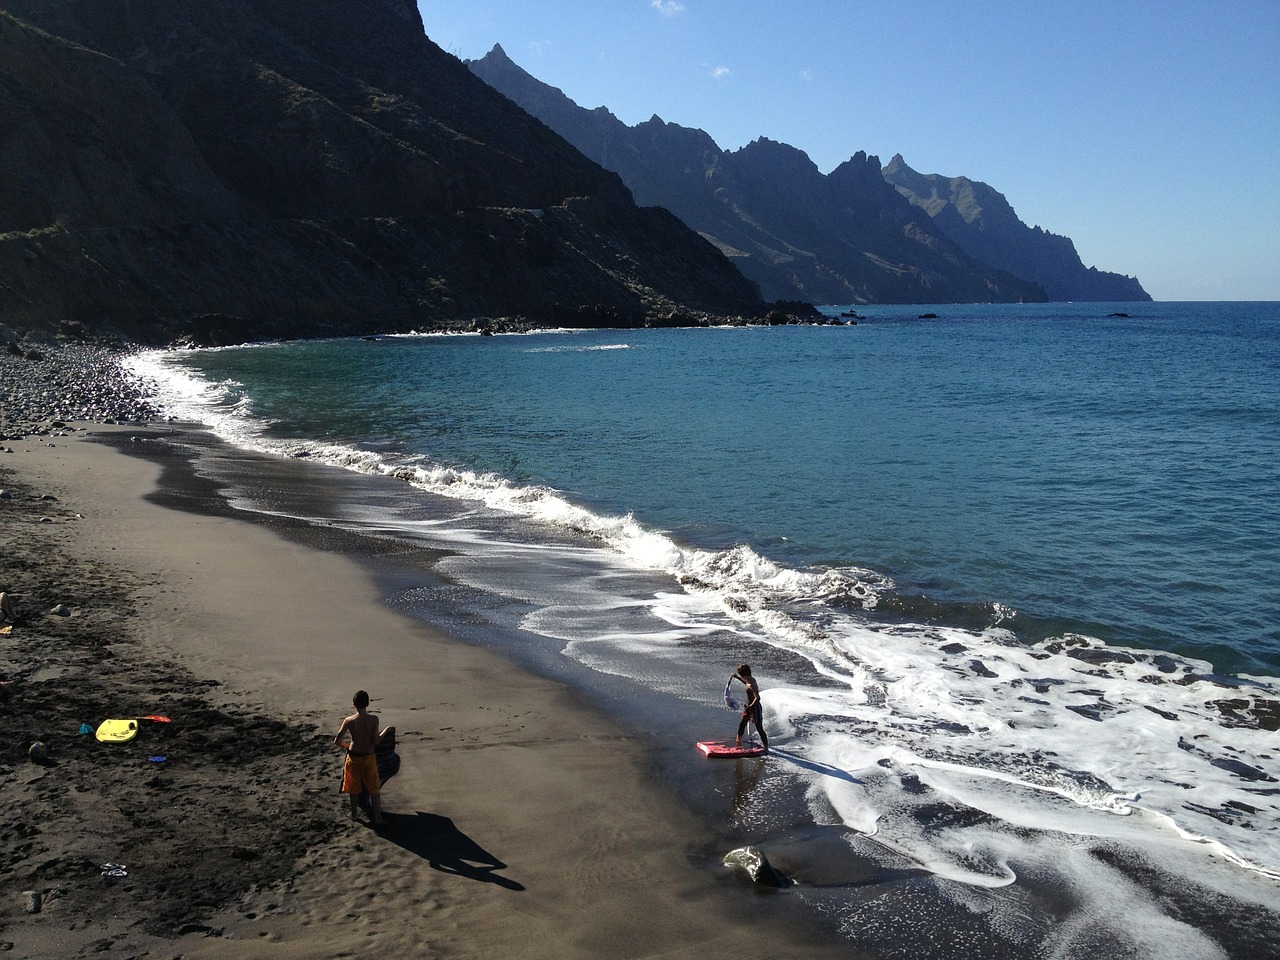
(1148, 132)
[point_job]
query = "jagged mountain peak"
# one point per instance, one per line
(982, 221)
(799, 235)
(861, 233)
(861, 173)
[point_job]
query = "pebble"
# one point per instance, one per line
(43, 386)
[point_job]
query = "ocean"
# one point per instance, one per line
(1009, 578)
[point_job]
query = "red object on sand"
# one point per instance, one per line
(156, 718)
(728, 750)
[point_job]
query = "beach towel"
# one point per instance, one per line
(388, 765)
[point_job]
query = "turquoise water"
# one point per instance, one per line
(1010, 579)
(1112, 476)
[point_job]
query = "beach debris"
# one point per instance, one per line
(85, 728)
(757, 866)
(61, 610)
(38, 752)
(31, 901)
(114, 870)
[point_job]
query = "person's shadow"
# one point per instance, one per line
(438, 841)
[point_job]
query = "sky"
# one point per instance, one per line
(1147, 132)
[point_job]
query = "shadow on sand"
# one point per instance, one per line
(438, 841)
(822, 768)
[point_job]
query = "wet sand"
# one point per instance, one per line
(523, 822)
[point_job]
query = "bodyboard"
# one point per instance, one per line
(728, 750)
(117, 731)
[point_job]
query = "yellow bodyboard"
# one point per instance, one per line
(117, 731)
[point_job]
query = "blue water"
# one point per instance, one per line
(1118, 477)
(1010, 577)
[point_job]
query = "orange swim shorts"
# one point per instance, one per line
(360, 774)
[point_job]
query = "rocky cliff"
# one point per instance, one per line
(232, 171)
(847, 237)
(985, 226)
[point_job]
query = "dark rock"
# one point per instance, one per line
(757, 867)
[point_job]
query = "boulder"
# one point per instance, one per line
(757, 866)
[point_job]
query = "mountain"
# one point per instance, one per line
(847, 237)
(229, 171)
(985, 226)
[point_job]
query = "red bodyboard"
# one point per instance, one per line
(728, 750)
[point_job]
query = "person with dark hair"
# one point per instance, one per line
(358, 735)
(752, 712)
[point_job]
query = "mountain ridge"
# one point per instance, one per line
(983, 222)
(840, 238)
(222, 171)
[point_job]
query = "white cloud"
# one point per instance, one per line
(806, 76)
(719, 73)
(539, 47)
(668, 8)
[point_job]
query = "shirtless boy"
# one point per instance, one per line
(358, 735)
(752, 713)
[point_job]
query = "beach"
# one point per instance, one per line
(522, 823)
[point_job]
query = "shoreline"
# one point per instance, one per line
(188, 552)
(524, 823)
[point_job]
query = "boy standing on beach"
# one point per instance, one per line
(752, 713)
(358, 735)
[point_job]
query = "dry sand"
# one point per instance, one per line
(522, 824)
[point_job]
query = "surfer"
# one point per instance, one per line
(358, 735)
(751, 712)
